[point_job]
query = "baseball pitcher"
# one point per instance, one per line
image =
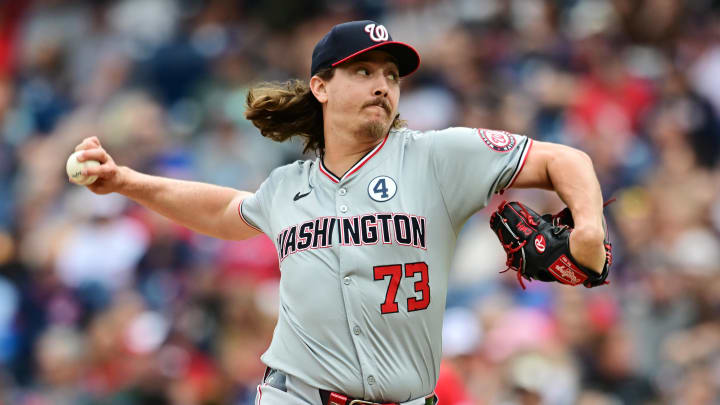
(365, 232)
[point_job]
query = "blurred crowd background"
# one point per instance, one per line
(104, 302)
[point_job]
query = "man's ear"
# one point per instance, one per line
(319, 89)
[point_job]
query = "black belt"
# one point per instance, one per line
(333, 398)
(277, 379)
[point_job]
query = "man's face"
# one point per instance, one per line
(363, 95)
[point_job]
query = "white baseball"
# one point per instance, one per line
(74, 169)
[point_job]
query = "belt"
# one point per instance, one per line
(277, 379)
(333, 398)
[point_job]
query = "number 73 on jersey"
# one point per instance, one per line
(395, 273)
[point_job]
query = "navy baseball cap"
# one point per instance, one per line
(350, 39)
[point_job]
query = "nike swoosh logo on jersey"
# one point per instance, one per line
(299, 196)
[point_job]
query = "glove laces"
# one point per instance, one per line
(509, 250)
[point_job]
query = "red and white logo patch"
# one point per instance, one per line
(378, 33)
(499, 141)
(540, 243)
(566, 272)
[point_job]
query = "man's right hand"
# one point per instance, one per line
(205, 208)
(110, 176)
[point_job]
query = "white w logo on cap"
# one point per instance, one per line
(378, 33)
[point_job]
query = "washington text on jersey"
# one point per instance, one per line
(368, 229)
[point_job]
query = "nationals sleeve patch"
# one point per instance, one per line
(499, 141)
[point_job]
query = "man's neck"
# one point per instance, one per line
(342, 151)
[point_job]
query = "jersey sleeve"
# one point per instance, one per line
(254, 209)
(471, 164)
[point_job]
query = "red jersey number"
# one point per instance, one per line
(394, 271)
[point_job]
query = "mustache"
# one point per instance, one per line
(380, 102)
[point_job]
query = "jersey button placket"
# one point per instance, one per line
(349, 296)
(342, 206)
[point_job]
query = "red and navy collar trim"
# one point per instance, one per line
(355, 167)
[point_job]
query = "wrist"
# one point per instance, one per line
(587, 247)
(124, 180)
(589, 233)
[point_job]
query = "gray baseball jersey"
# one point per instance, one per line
(364, 258)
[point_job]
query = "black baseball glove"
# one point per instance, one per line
(538, 247)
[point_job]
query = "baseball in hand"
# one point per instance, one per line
(74, 169)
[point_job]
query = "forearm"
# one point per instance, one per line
(202, 207)
(573, 178)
